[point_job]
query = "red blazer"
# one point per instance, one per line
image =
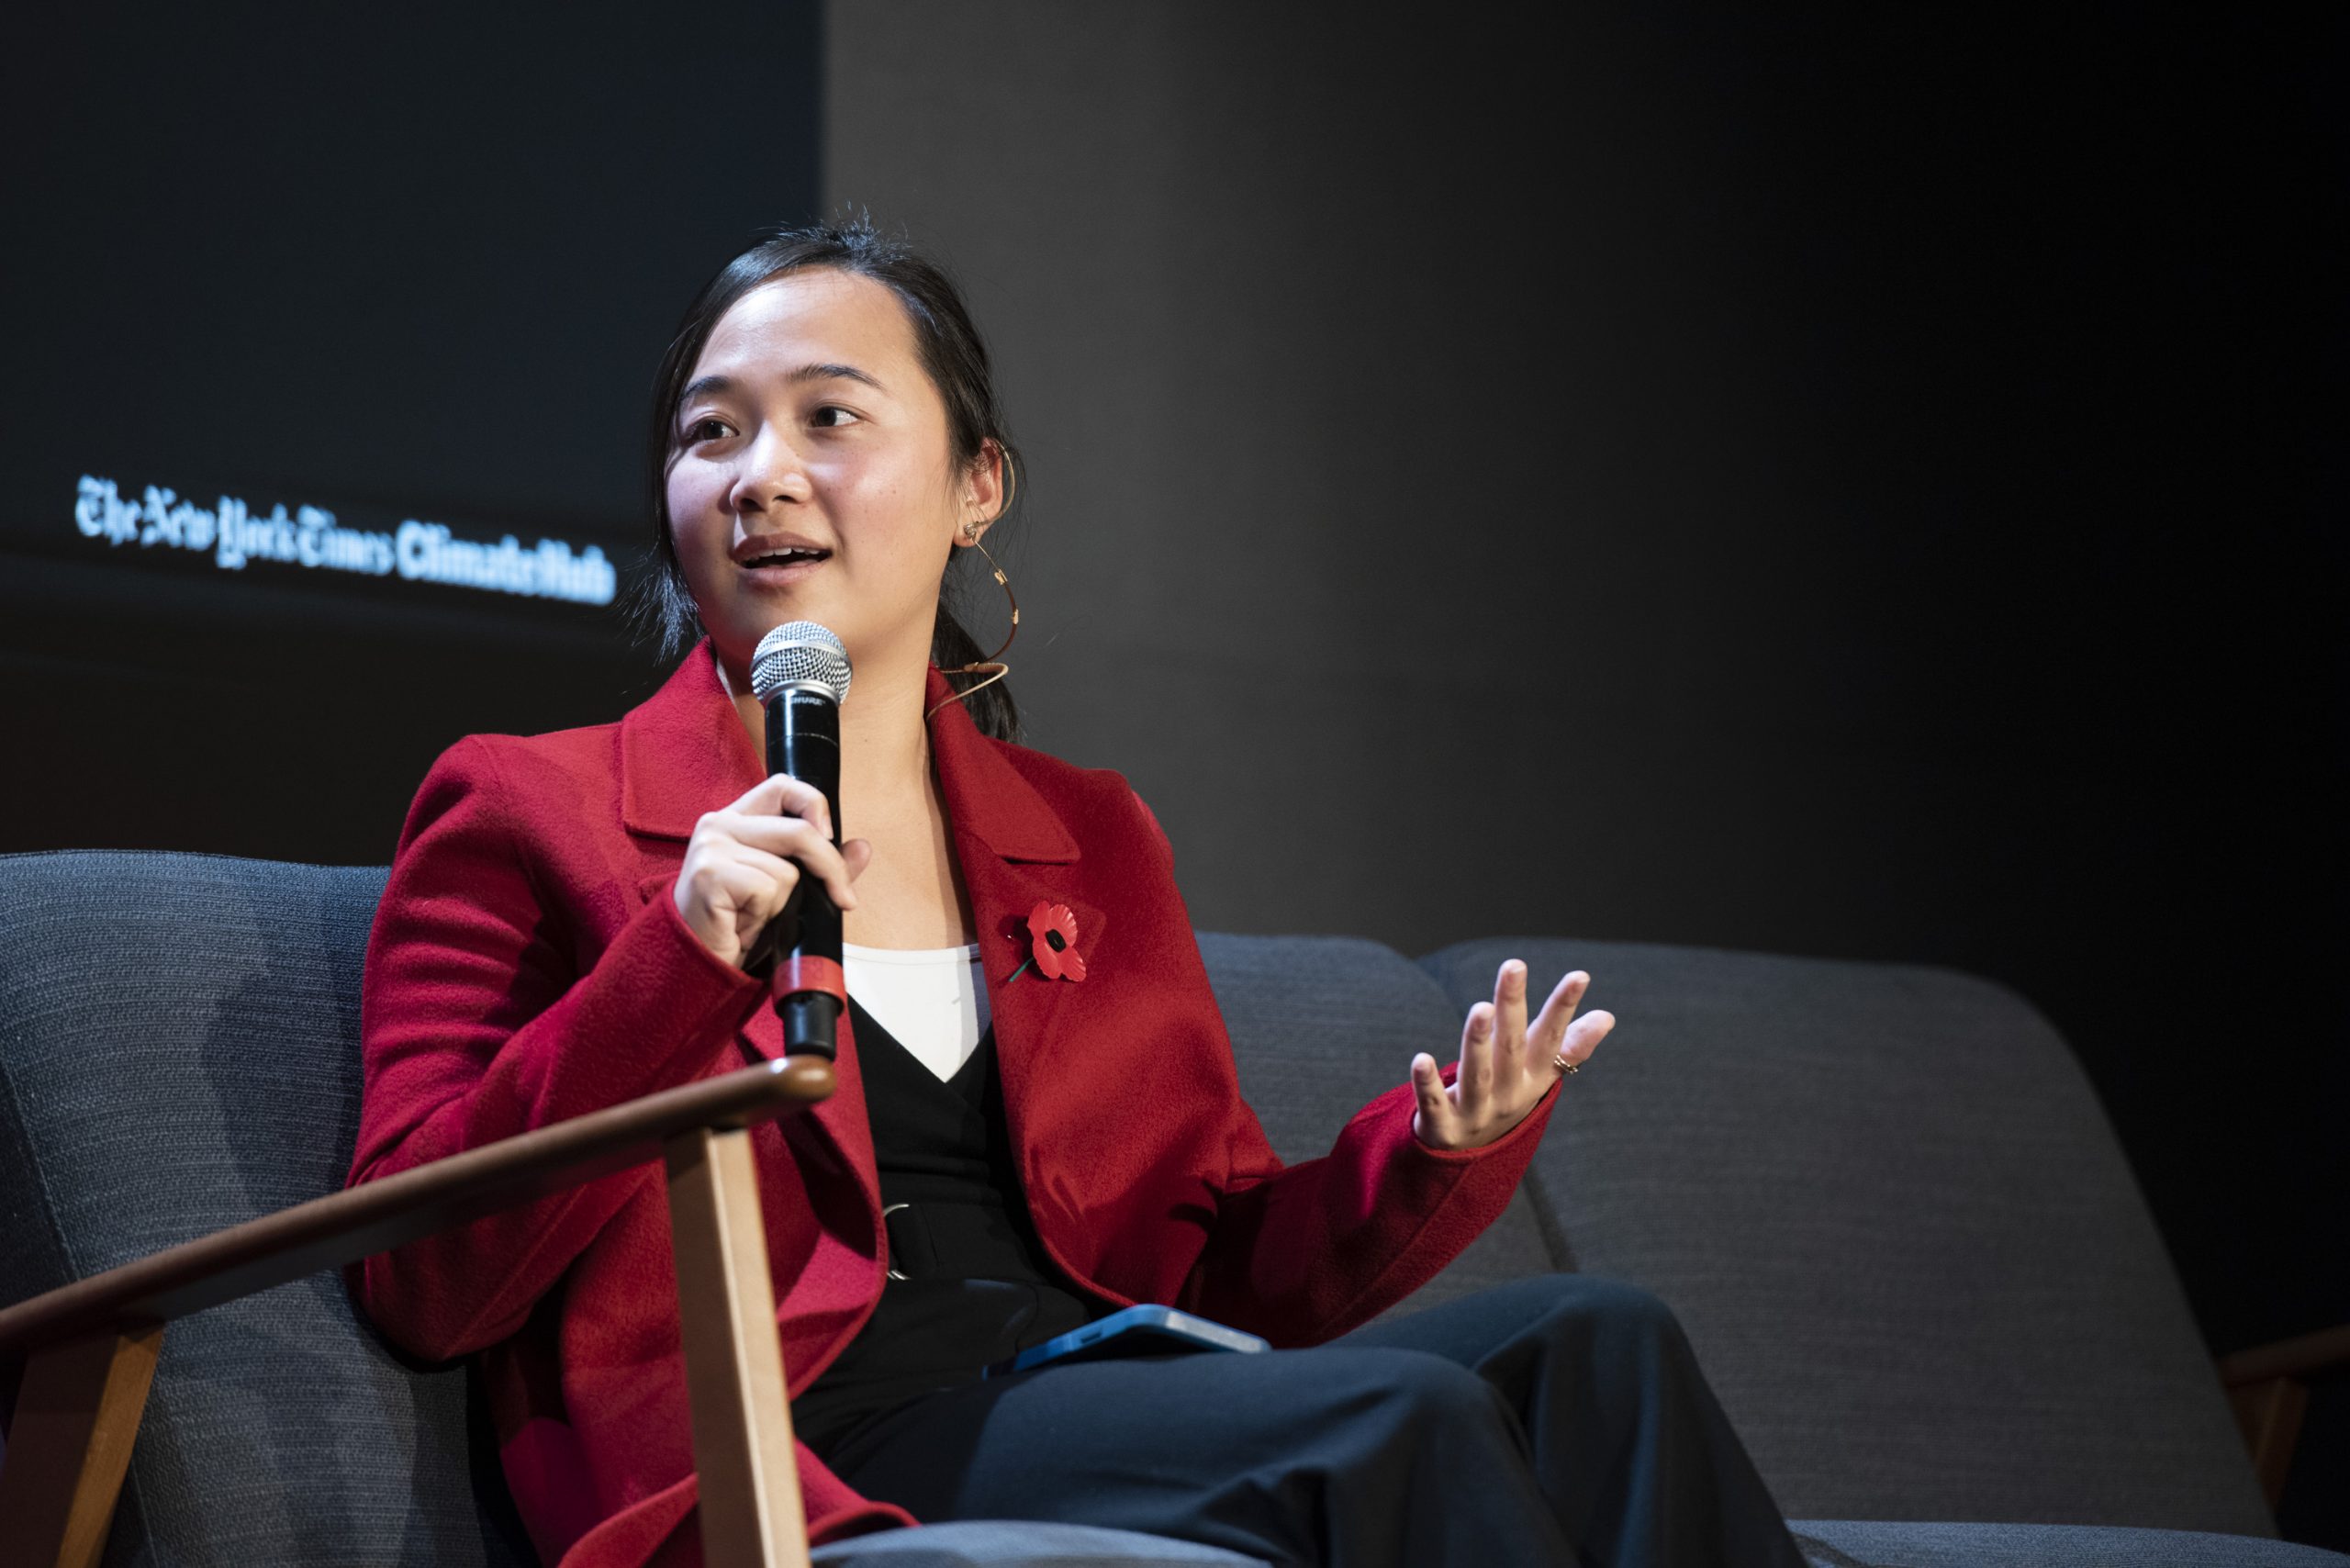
(527, 964)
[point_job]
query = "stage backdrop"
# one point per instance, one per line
(330, 336)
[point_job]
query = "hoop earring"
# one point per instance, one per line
(993, 663)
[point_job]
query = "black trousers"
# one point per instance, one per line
(1556, 1419)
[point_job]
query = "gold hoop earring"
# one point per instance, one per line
(993, 663)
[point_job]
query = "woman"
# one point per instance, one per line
(565, 928)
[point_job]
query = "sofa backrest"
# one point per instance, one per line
(179, 1051)
(1881, 1197)
(1322, 1024)
(1890, 1210)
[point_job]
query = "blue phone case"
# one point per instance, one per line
(1137, 1331)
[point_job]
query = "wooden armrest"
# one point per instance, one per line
(2304, 1355)
(377, 1216)
(82, 1357)
(2267, 1390)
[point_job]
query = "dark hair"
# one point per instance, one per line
(951, 352)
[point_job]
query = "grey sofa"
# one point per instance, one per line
(1882, 1199)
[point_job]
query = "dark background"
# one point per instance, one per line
(388, 264)
(1865, 482)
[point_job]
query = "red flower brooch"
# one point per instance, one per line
(1052, 945)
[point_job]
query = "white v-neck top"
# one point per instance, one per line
(935, 1000)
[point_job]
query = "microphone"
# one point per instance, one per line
(800, 674)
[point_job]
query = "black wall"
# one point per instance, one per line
(391, 264)
(1860, 482)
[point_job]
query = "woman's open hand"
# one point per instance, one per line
(1506, 1067)
(744, 859)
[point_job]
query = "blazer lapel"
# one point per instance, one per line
(684, 751)
(1015, 853)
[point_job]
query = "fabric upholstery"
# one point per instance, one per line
(1890, 1212)
(1876, 1545)
(206, 1074)
(995, 1543)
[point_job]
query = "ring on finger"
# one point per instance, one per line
(1566, 1068)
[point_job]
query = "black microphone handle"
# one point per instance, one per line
(809, 988)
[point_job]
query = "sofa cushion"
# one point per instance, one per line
(996, 1543)
(1322, 1024)
(1890, 1212)
(1872, 1544)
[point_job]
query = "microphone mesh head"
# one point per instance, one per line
(799, 653)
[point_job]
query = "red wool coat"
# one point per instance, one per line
(527, 964)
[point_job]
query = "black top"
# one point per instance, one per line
(978, 1285)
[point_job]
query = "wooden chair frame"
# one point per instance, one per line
(2269, 1387)
(75, 1363)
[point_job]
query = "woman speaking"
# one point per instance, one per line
(1038, 1121)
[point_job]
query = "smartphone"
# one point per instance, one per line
(1137, 1331)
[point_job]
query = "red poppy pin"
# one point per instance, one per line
(1052, 945)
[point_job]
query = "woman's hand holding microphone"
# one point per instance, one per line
(744, 859)
(1506, 1067)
